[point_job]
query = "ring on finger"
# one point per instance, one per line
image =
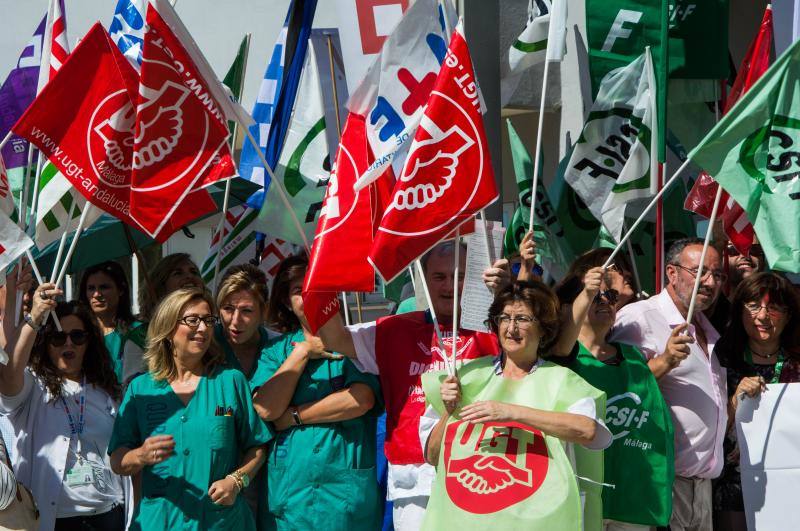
(43, 295)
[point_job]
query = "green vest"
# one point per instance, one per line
(640, 463)
(506, 475)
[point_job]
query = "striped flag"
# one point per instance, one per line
(7, 205)
(59, 47)
(235, 243)
(274, 252)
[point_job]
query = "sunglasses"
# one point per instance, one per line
(755, 250)
(59, 339)
(610, 295)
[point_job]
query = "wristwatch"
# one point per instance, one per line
(29, 320)
(242, 478)
(296, 417)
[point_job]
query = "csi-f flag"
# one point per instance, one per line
(547, 231)
(754, 154)
(615, 158)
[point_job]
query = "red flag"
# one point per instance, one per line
(181, 134)
(319, 307)
(89, 137)
(701, 197)
(344, 231)
(447, 176)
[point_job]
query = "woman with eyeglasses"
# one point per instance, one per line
(760, 346)
(636, 413)
(104, 289)
(61, 395)
(321, 466)
(498, 431)
(188, 425)
(739, 266)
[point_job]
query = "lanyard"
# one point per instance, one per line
(778, 364)
(72, 427)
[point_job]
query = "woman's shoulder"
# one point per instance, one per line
(225, 374)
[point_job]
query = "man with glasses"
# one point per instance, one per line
(680, 356)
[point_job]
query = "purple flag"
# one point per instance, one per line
(17, 93)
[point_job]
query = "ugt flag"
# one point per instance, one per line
(447, 177)
(393, 93)
(753, 154)
(615, 158)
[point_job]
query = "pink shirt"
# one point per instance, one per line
(695, 390)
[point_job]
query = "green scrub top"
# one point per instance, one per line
(259, 372)
(322, 476)
(207, 448)
(115, 344)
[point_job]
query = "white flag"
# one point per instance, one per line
(615, 158)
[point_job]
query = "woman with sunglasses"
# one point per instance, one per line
(761, 345)
(498, 431)
(636, 412)
(60, 394)
(321, 466)
(188, 425)
(104, 289)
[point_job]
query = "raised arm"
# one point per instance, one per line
(16, 279)
(571, 327)
(346, 404)
(337, 338)
(12, 374)
(527, 254)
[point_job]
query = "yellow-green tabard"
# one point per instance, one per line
(322, 476)
(207, 448)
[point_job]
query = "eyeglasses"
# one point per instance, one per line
(59, 339)
(755, 250)
(523, 322)
(193, 321)
(719, 276)
(775, 311)
(610, 295)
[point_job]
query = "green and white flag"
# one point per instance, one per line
(236, 244)
(303, 166)
(547, 231)
(614, 162)
(55, 203)
(754, 154)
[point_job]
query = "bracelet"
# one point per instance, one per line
(236, 479)
(296, 417)
(29, 321)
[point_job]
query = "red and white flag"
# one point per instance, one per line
(6, 199)
(344, 231)
(59, 47)
(447, 177)
(700, 200)
(180, 142)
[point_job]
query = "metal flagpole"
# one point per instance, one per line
(454, 336)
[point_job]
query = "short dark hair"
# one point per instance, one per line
(96, 361)
(115, 272)
(674, 252)
(753, 289)
(542, 302)
(572, 284)
(280, 316)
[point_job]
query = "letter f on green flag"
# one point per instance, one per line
(754, 154)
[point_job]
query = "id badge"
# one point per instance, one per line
(80, 475)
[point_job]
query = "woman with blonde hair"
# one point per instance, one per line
(185, 424)
(174, 271)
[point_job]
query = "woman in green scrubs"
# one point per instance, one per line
(104, 289)
(188, 425)
(242, 300)
(321, 466)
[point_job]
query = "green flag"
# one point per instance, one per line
(547, 231)
(698, 39)
(508, 475)
(234, 79)
(753, 154)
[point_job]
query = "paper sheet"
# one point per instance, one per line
(476, 297)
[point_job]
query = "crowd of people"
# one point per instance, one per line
(583, 405)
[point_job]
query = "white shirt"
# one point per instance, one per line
(42, 444)
(695, 390)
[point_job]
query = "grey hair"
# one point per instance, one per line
(447, 248)
(674, 252)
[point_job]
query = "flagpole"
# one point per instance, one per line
(280, 188)
(227, 194)
(346, 309)
(660, 230)
(633, 261)
(538, 150)
(699, 277)
(22, 221)
(646, 211)
(40, 280)
(63, 242)
(436, 329)
(6, 139)
(74, 243)
(456, 270)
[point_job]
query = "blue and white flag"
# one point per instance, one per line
(127, 29)
(273, 108)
